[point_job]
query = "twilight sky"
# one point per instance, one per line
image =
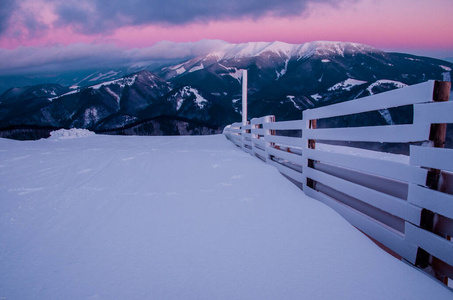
(72, 28)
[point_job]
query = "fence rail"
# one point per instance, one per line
(403, 202)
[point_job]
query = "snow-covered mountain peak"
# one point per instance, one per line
(252, 49)
(318, 48)
(327, 48)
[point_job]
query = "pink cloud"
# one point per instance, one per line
(383, 24)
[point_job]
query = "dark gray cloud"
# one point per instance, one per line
(20, 19)
(7, 7)
(94, 16)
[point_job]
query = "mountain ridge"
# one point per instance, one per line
(284, 79)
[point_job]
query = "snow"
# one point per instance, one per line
(180, 70)
(448, 69)
(73, 133)
(237, 74)
(291, 98)
(284, 70)
(316, 96)
(385, 81)
(186, 92)
(199, 100)
(285, 50)
(347, 85)
(103, 76)
(325, 60)
(387, 116)
(66, 94)
(90, 116)
(122, 82)
(196, 68)
(113, 94)
(111, 217)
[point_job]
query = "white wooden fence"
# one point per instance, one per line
(404, 203)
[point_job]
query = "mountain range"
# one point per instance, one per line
(202, 94)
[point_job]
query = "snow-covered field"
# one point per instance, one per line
(109, 217)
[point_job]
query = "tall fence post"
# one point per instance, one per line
(244, 97)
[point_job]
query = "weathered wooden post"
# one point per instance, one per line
(437, 136)
(311, 163)
(438, 132)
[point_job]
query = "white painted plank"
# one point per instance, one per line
(434, 112)
(437, 158)
(389, 238)
(385, 168)
(418, 93)
(284, 140)
(291, 157)
(381, 134)
(259, 142)
(258, 131)
(285, 125)
(435, 201)
(236, 130)
(390, 204)
(434, 244)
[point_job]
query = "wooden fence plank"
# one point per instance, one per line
(418, 93)
(291, 157)
(390, 204)
(437, 158)
(431, 113)
(435, 201)
(381, 134)
(259, 142)
(430, 242)
(285, 140)
(376, 166)
(284, 125)
(258, 131)
(389, 238)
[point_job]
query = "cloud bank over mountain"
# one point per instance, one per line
(31, 60)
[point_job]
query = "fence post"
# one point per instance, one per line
(244, 97)
(310, 144)
(437, 135)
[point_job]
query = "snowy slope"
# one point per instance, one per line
(109, 217)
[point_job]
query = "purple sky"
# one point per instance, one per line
(35, 27)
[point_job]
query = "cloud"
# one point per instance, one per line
(23, 19)
(59, 58)
(96, 16)
(6, 9)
